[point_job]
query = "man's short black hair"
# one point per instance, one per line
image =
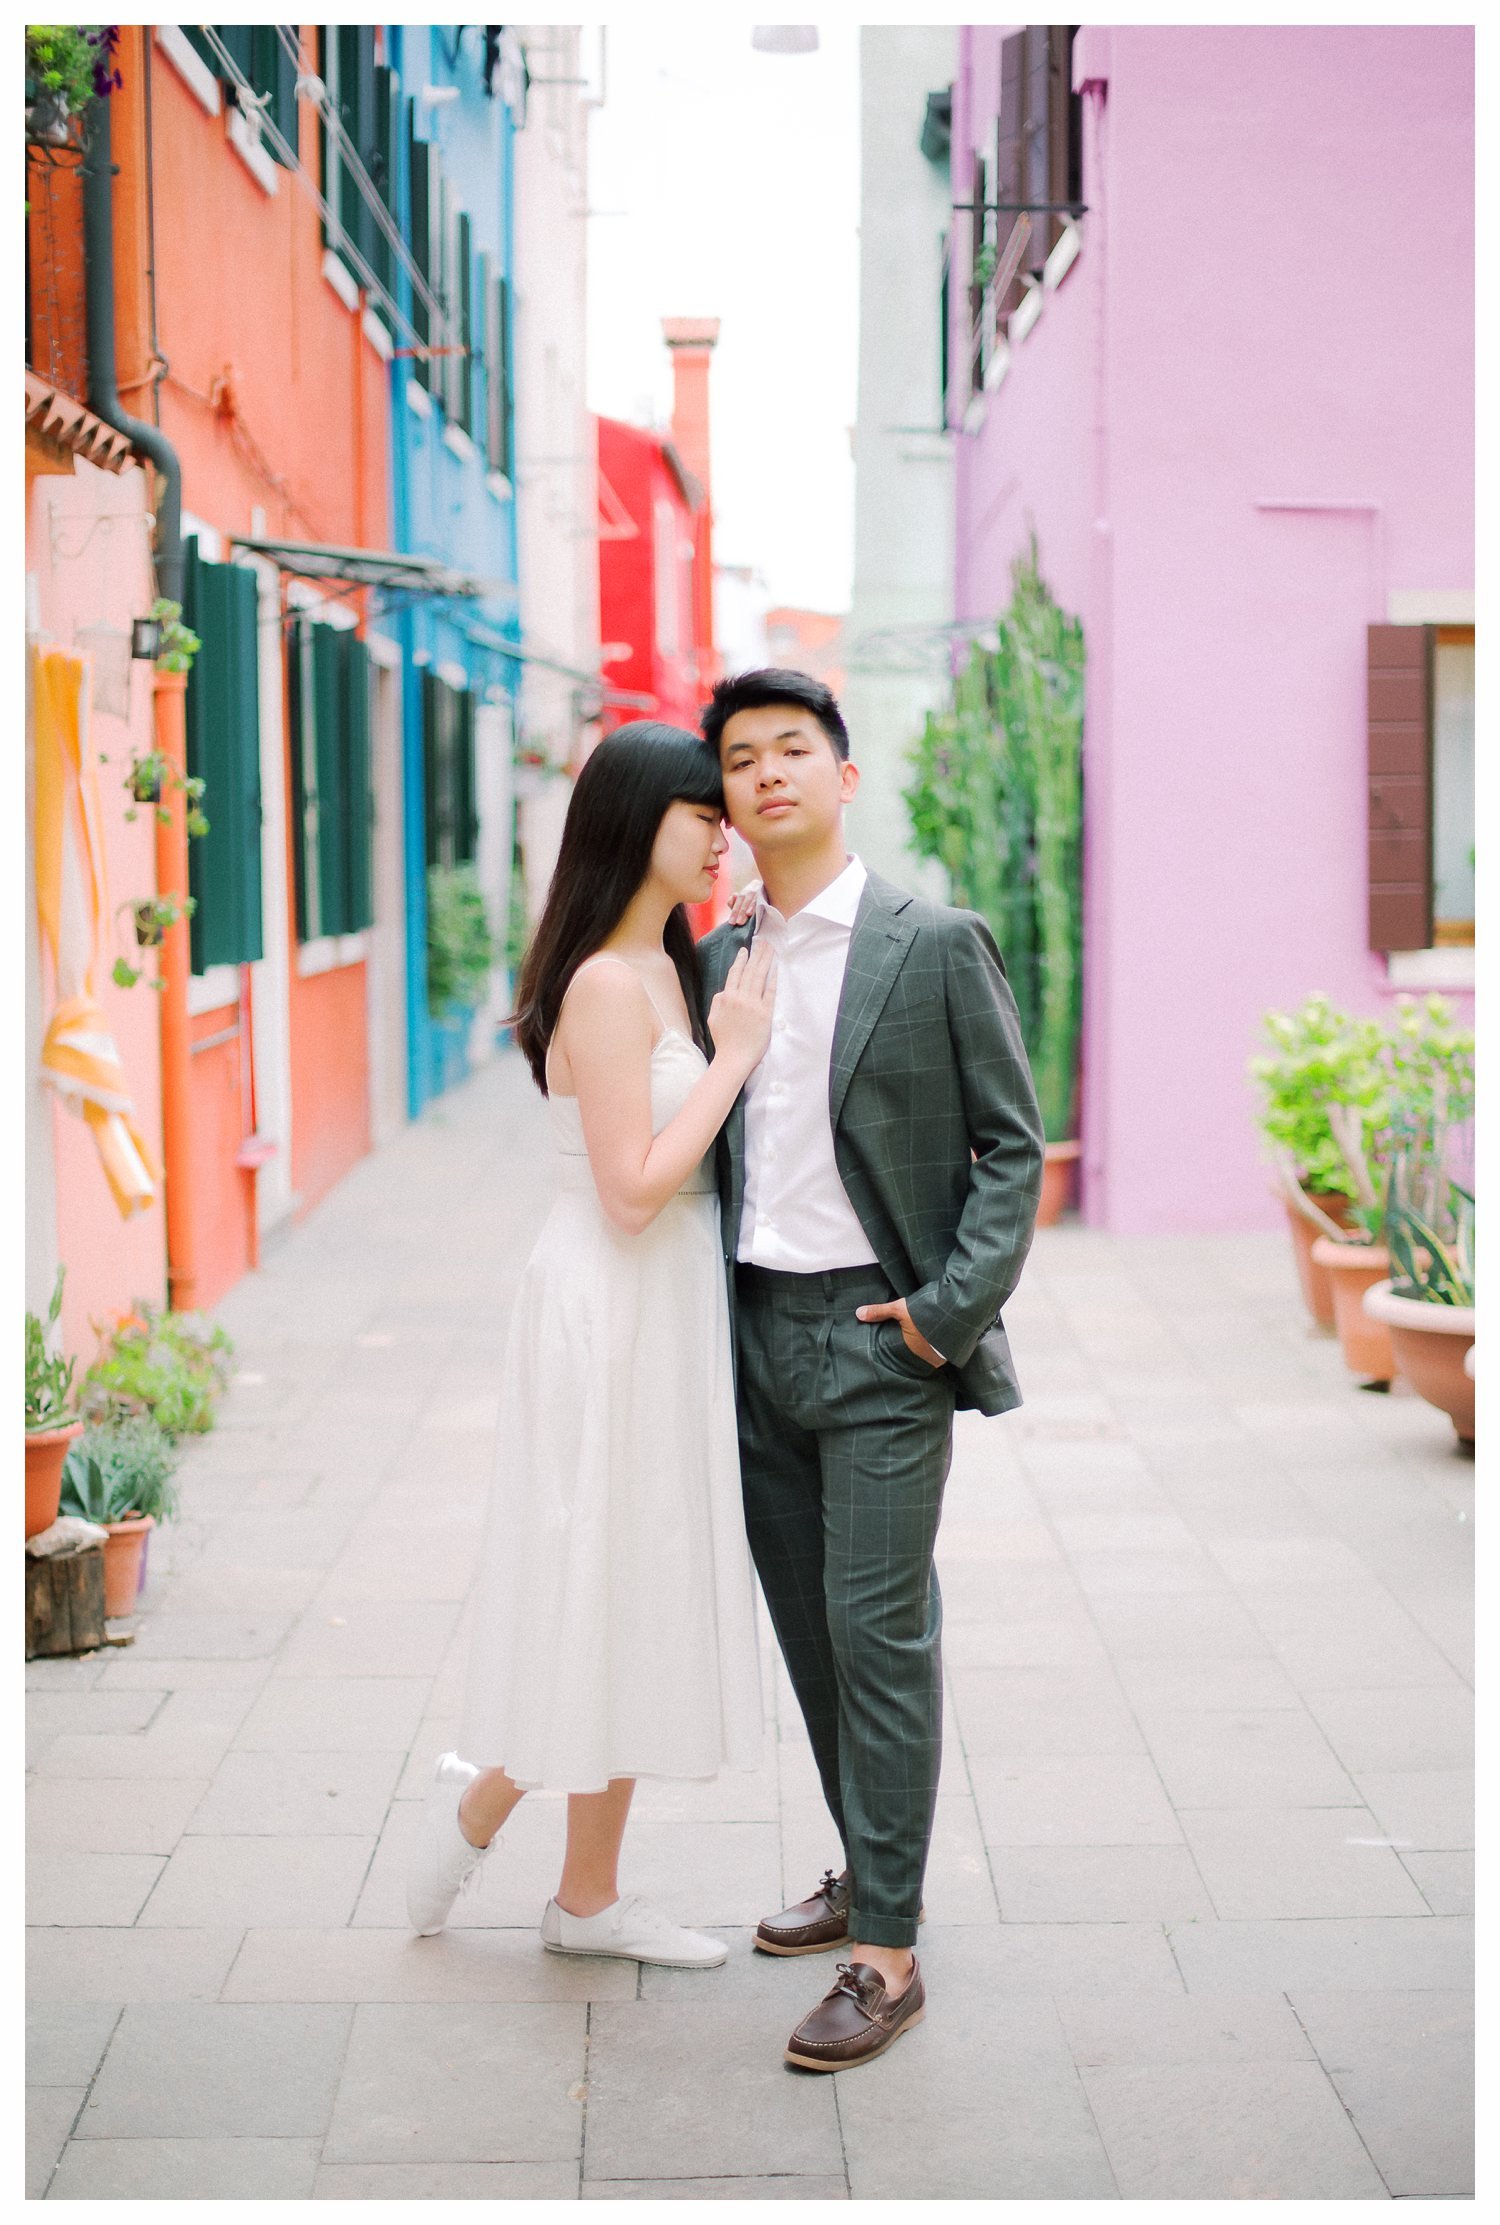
(752, 691)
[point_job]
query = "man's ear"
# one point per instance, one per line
(848, 781)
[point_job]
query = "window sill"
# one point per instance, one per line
(458, 443)
(418, 400)
(329, 952)
(190, 67)
(213, 991)
(1449, 967)
(340, 278)
(379, 339)
(499, 486)
(247, 146)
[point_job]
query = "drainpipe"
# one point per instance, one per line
(169, 708)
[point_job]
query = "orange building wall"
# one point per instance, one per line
(330, 1127)
(277, 405)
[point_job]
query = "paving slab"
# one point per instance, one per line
(1402, 2065)
(1066, 1800)
(446, 2182)
(1108, 1884)
(1246, 1757)
(261, 1881)
(1260, 1862)
(66, 2040)
(340, 1637)
(68, 1888)
(1049, 1709)
(1245, 2131)
(81, 1963)
(1445, 1881)
(455, 2082)
(1419, 1728)
(1109, 2029)
(786, 2189)
(109, 1816)
(222, 2070)
(50, 2113)
(350, 1964)
(1430, 1810)
(187, 2170)
(1398, 1953)
(1003, 2117)
(740, 2113)
(272, 1795)
(334, 1714)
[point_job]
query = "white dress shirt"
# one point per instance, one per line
(797, 1216)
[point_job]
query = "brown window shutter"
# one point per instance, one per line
(1037, 157)
(1400, 672)
(1010, 158)
(980, 192)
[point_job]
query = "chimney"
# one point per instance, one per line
(692, 341)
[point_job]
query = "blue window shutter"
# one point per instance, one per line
(421, 241)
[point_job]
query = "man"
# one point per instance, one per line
(879, 1179)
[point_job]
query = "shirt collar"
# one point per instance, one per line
(838, 902)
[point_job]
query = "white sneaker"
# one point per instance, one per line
(442, 1860)
(633, 1929)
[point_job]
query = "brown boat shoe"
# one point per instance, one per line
(857, 2020)
(813, 1925)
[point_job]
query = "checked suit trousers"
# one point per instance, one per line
(845, 1442)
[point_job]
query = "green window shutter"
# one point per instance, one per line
(273, 72)
(306, 799)
(329, 166)
(358, 804)
(223, 751)
(447, 293)
(382, 165)
(507, 383)
(356, 106)
(420, 239)
(333, 874)
(467, 845)
(463, 385)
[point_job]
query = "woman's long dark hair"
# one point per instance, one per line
(618, 804)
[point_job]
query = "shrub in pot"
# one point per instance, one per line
(996, 799)
(1425, 1095)
(119, 1473)
(1427, 1304)
(52, 1420)
(170, 1366)
(1314, 1056)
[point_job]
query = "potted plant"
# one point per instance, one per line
(1427, 1304)
(119, 1474)
(1314, 1056)
(996, 798)
(67, 66)
(1424, 1085)
(52, 1420)
(170, 1366)
(460, 947)
(152, 917)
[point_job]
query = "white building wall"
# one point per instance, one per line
(555, 455)
(903, 499)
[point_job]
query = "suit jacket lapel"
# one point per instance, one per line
(735, 941)
(877, 945)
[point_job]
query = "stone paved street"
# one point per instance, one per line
(1198, 1905)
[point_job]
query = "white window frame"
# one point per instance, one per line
(195, 73)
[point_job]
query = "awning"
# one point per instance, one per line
(379, 568)
(66, 427)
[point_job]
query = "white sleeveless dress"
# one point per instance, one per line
(615, 1628)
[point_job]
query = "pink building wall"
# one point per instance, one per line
(1273, 304)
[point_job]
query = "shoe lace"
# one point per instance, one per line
(828, 1883)
(847, 1982)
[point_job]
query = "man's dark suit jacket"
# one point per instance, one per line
(936, 1131)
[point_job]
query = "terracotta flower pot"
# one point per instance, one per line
(122, 1562)
(1317, 1287)
(46, 1450)
(1432, 1344)
(1366, 1343)
(1057, 1176)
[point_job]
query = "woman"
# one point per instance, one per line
(615, 1627)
